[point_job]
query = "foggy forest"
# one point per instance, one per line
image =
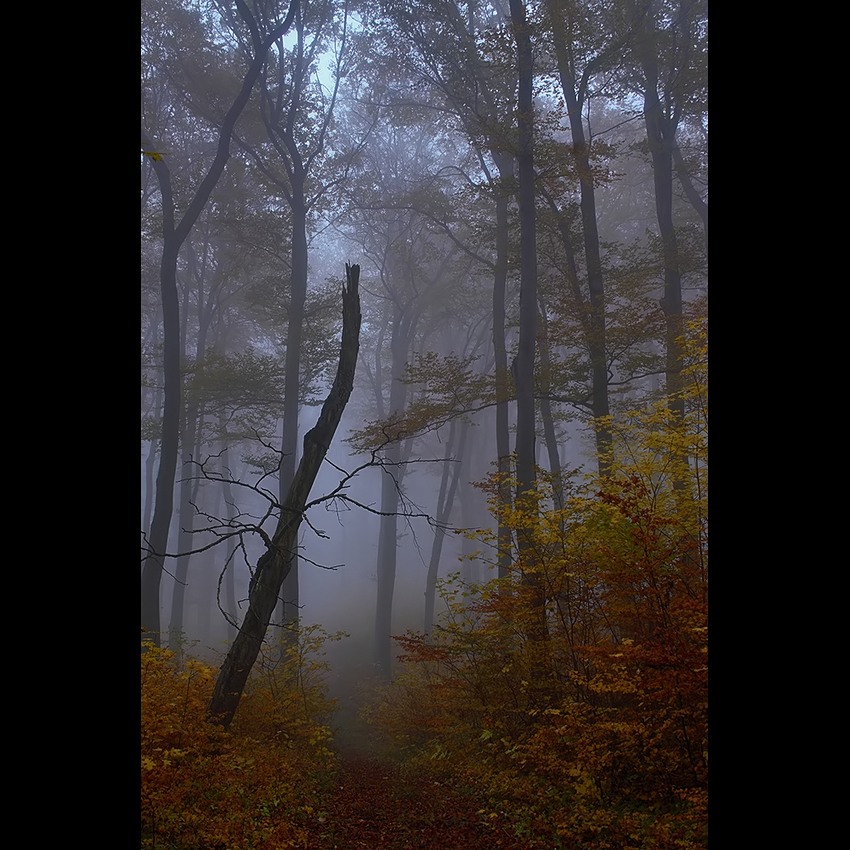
(424, 540)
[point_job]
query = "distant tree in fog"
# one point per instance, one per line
(296, 146)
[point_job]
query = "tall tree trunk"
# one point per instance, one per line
(526, 488)
(150, 460)
(504, 191)
(524, 363)
(391, 480)
(170, 434)
(186, 519)
(192, 438)
(276, 561)
(290, 603)
(661, 124)
(574, 93)
(174, 235)
(150, 466)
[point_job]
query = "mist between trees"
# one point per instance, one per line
(522, 188)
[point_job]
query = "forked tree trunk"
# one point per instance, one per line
(276, 561)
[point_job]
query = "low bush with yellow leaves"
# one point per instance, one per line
(254, 787)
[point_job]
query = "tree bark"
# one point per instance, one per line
(276, 561)
(696, 201)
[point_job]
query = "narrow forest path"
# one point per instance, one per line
(380, 806)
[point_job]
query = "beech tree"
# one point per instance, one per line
(584, 46)
(461, 54)
(667, 52)
(175, 230)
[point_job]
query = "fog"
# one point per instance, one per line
(424, 392)
(410, 190)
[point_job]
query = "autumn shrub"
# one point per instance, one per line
(585, 725)
(257, 786)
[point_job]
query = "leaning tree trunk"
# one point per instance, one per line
(276, 561)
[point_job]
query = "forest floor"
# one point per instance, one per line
(379, 805)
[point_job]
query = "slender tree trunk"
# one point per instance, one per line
(546, 412)
(170, 435)
(391, 481)
(275, 562)
(524, 363)
(290, 604)
(230, 605)
(188, 490)
(445, 502)
(150, 461)
(192, 438)
(150, 466)
(661, 127)
(573, 98)
(174, 235)
(504, 191)
(526, 488)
